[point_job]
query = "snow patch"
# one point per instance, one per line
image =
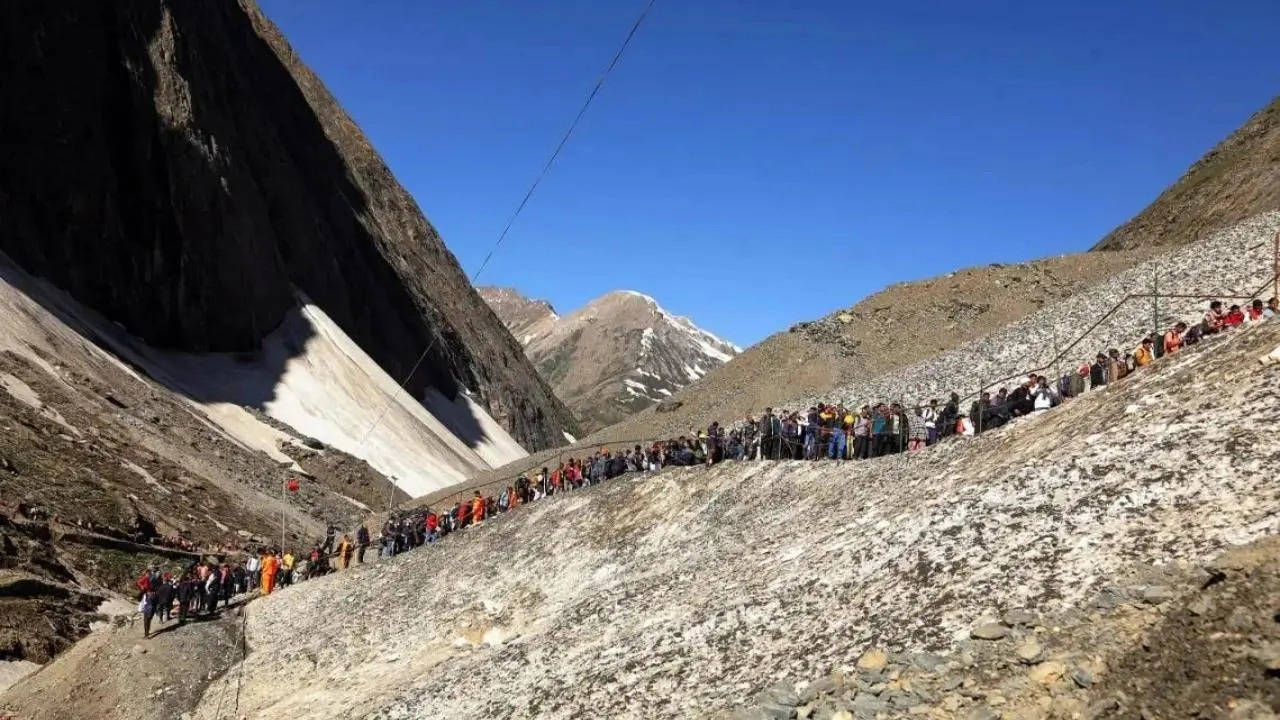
(568, 437)
(23, 393)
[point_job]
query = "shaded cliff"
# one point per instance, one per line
(176, 167)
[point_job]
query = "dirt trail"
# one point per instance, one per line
(115, 673)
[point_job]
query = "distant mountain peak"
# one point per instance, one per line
(614, 356)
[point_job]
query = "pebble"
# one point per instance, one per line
(982, 712)
(782, 694)
(1014, 618)
(1156, 594)
(816, 688)
(989, 631)
(1048, 672)
(1082, 677)
(928, 661)
(872, 660)
(1029, 651)
(1102, 708)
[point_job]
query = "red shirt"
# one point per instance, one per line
(1235, 317)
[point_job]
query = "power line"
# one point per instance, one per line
(564, 140)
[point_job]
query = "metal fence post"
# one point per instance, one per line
(981, 411)
(1155, 298)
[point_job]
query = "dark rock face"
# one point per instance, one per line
(175, 166)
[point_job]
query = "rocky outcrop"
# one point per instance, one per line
(176, 167)
(1238, 178)
(613, 357)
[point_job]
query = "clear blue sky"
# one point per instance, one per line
(757, 163)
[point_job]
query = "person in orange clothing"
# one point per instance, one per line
(268, 573)
(1173, 339)
(344, 552)
(477, 508)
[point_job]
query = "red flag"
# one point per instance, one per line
(292, 485)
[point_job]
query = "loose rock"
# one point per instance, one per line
(989, 631)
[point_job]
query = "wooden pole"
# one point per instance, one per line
(282, 501)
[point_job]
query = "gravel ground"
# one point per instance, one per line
(1235, 261)
(688, 591)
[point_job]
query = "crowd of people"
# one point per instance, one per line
(829, 431)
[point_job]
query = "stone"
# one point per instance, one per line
(782, 694)
(774, 711)
(928, 662)
(1156, 594)
(989, 631)
(873, 660)
(982, 712)
(803, 712)
(1029, 652)
(1108, 598)
(1101, 708)
(1048, 672)
(842, 715)
(866, 705)
(1082, 677)
(815, 689)
(1268, 656)
(1014, 618)
(1199, 606)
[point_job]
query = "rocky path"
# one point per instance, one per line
(691, 591)
(1156, 642)
(115, 673)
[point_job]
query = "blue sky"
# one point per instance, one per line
(755, 163)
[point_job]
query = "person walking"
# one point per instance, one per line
(268, 573)
(344, 552)
(149, 584)
(362, 543)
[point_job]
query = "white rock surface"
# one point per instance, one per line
(1236, 261)
(672, 594)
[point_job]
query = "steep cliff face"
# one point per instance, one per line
(176, 167)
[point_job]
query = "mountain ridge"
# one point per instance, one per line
(619, 353)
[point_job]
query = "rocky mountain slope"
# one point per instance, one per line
(209, 283)
(1238, 178)
(691, 591)
(177, 168)
(616, 355)
(94, 451)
